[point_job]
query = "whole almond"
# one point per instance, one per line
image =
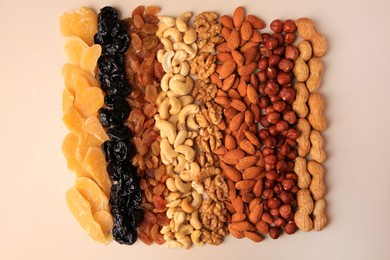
(227, 69)
(246, 162)
(238, 16)
(247, 69)
(255, 214)
(253, 236)
(252, 138)
(228, 82)
(266, 217)
(241, 88)
(255, 21)
(247, 146)
(235, 154)
(238, 57)
(236, 217)
(256, 36)
(216, 80)
(234, 40)
(250, 55)
(258, 188)
(226, 21)
(249, 45)
(223, 47)
(236, 233)
(262, 227)
(229, 113)
(222, 101)
(248, 118)
(233, 94)
(252, 95)
(238, 204)
(231, 173)
(230, 142)
(238, 105)
(246, 31)
(245, 184)
(223, 56)
(252, 172)
(256, 112)
(220, 151)
(241, 226)
(225, 32)
(236, 122)
(231, 188)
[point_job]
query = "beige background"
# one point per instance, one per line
(35, 223)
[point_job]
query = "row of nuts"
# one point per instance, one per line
(309, 106)
(177, 125)
(144, 73)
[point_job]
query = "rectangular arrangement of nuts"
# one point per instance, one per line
(185, 129)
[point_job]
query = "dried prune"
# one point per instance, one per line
(121, 151)
(123, 232)
(104, 117)
(119, 133)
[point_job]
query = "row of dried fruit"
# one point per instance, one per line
(214, 122)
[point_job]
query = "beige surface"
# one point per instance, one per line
(35, 223)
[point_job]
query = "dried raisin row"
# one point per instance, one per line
(125, 195)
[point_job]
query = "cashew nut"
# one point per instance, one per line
(191, 173)
(173, 33)
(167, 150)
(170, 183)
(163, 109)
(161, 96)
(194, 221)
(192, 125)
(189, 142)
(180, 138)
(181, 162)
(186, 100)
(169, 21)
(175, 105)
(181, 186)
(188, 152)
(195, 237)
(179, 57)
(174, 244)
(160, 55)
(161, 28)
(171, 212)
(186, 205)
(179, 217)
(192, 135)
(190, 50)
(182, 20)
(198, 187)
(196, 200)
(165, 229)
(186, 111)
(190, 36)
(167, 44)
(166, 61)
(186, 242)
(173, 119)
(183, 231)
(166, 128)
(181, 85)
(174, 203)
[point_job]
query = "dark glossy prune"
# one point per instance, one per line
(109, 100)
(119, 133)
(107, 149)
(107, 12)
(123, 232)
(116, 169)
(136, 217)
(104, 117)
(121, 150)
(108, 65)
(120, 112)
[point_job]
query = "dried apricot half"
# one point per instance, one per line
(84, 24)
(96, 163)
(81, 210)
(73, 120)
(73, 73)
(75, 48)
(89, 59)
(93, 126)
(104, 218)
(65, 21)
(92, 193)
(88, 100)
(69, 147)
(67, 100)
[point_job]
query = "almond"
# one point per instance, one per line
(241, 226)
(246, 31)
(221, 125)
(262, 227)
(238, 105)
(231, 173)
(250, 55)
(261, 161)
(241, 88)
(223, 56)
(233, 94)
(225, 32)
(238, 204)
(232, 189)
(266, 217)
(256, 36)
(226, 21)
(236, 233)
(230, 142)
(227, 69)
(255, 21)
(252, 172)
(253, 236)
(258, 188)
(256, 112)
(223, 47)
(236, 122)
(245, 184)
(248, 45)
(247, 146)
(238, 16)
(229, 113)
(247, 69)
(252, 138)
(253, 203)
(235, 154)
(216, 80)
(228, 82)
(236, 217)
(222, 101)
(246, 162)
(234, 40)
(248, 118)
(252, 94)
(220, 151)
(221, 93)
(238, 57)
(255, 214)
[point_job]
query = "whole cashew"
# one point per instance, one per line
(174, 34)
(166, 61)
(190, 50)
(169, 21)
(181, 85)
(171, 212)
(198, 187)
(190, 36)
(174, 203)
(167, 44)
(179, 57)
(194, 221)
(170, 183)
(183, 231)
(160, 55)
(182, 20)
(174, 244)
(191, 173)
(186, 205)
(179, 217)
(196, 200)
(181, 186)
(161, 96)
(186, 100)
(181, 162)
(165, 229)
(186, 242)
(161, 28)
(188, 152)
(180, 138)
(175, 105)
(192, 125)
(186, 111)
(167, 150)
(195, 237)
(174, 119)
(163, 109)
(166, 128)
(189, 142)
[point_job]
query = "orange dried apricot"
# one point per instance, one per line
(104, 218)
(67, 100)
(86, 141)
(96, 165)
(88, 100)
(81, 210)
(93, 126)
(73, 120)
(84, 24)
(75, 48)
(92, 193)
(73, 73)
(65, 21)
(69, 146)
(90, 57)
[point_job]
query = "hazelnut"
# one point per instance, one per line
(284, 149)
(293, 134)
(290, 228)
(279, 106)
(271, 43)
(281, 126)
(268, 193)
(283, 78)
(288, 184)
(281, 166)
(274, 213)
(270, 159)
(274, 59)
(264, 122)
(271, 72)
(262, 76)
(279, 222)
(266, 217)
(273, 117)
(289, 38)
(279, 51)
(292, 155)
(289, 26)
(286, 211)
(263, 64)
(267, 150)
(278, 37)
(285, 65)
(290, 117)
(287, 94)
(264, 51)
(291, 175)
(262, 227)
(264, 102)
(272, 130)
(268, 183)
(274, 232)
(263, 134)
(286, 197)
(291, 52)
(276, 25)
(271, 88)
(271, 175)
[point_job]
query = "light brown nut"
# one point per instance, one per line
(238, 17)
(316, 68)
(256, 213)
(317, 151)
(252, 94)
(230, 142)
(227, 69)
(300, 169)
(252, 172)
(236, 121)
(247, 147)
(238, 204)
(248, 69)
(262, 227)
(303, 127)
(246, 162)
(245, 184)
(317, 185)
(246, 31)
(301, 70)
(226, 21)
(234, 40)
(316, 116)
(230, 172)
(236, 233)
(241, 226)
(238, 57)
(255, 21)
(305, 50)
(305, 208)
(320, 45)
(253, 236)
(301, 96)
(258, 188)
(320, 220)
(306, 28)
